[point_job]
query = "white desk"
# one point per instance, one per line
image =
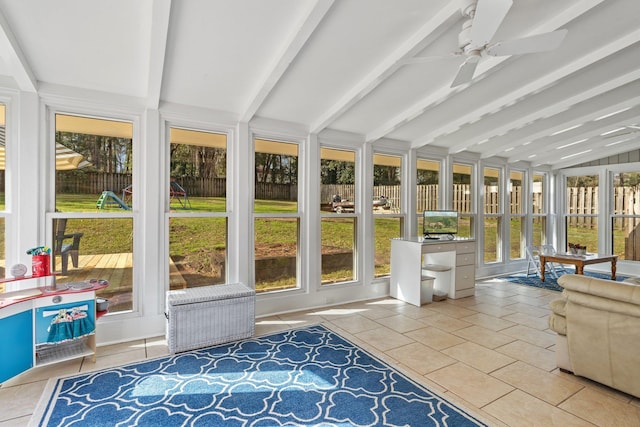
(409, 256)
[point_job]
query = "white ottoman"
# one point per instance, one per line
(208, 315)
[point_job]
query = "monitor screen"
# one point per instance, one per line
(439, 222)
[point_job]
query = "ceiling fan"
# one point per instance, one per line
(474, 41)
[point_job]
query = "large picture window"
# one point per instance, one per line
(428, 190)
(3, 147)
(516, 215)
(582, 211)
(625, 218)
(388, 223)
(462, 198)
(276, 216)
(338, 218)
(539, 209)
(92, 226)
(493, 215)
(196, 194)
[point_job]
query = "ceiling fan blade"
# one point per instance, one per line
(538, 43)
(488, 16)
(425, 59)
(466, 70)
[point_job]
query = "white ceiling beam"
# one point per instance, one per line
(441, 94)
(532, 87)
(544, 137)
(161, 13)
(292, 48)
(591, 137)
(594, 154)
(14, 58)
(550, 110)
(417, 42)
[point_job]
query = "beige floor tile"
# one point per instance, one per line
(470, 384)
(531, 354)
(383, 338)
(478, 357)
(435, 338)
(295, 320)
(483, 336)
(489, 322)
(542, 384)
(156, 347)
(413, 311)
(401, 323)
(16, 422)
(531, 335)
(420, 358)
(119, 348)
(531, 310)
(444, 322)
(493, 310)
(601, 409)
(115, 359)
(270, 326)
(355, 324)
(451, 310)
(522, 410)
(41, 373)
(540, 323)
(20, 400)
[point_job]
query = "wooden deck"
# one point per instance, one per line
(118, 270)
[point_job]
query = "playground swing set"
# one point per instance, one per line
(109, 198)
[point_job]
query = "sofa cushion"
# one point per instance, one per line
(558, 324)
(619, 291)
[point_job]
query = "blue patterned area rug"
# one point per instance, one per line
(302, 377)
(550, 282)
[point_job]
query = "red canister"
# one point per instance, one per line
(41, 265)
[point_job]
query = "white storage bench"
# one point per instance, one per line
(208, 315)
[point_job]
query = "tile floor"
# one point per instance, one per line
(491, 354)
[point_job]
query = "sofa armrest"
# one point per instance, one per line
(618, 291)
(557, 318)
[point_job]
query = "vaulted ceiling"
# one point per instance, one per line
(347, 65)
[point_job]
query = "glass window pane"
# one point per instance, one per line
(539, 230)
(387, 172)
(276, 253)
(337, 180)
(3, 145)
(516, 230)
(626, 238)
(583, 232)
(93, 159)
(462, 194)
(492, 190)
(492, 239)
(96, 248)
(538, 191)
(338, 250)
(625, 227)
(428, 180)
(385, 230)
(515, 192)
(276, 176)
(197, 252)
(582, 205)
(198, 170)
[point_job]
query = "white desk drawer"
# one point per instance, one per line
(438, 247)
(465, 247)
(465, 277)
(465, 259)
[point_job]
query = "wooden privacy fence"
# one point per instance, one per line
(581, 201)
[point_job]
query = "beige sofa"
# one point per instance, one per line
(598, 327)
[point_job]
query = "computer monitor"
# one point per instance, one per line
(439, 222)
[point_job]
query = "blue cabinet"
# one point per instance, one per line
(16, 345)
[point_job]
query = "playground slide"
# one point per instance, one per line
(110, 198)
